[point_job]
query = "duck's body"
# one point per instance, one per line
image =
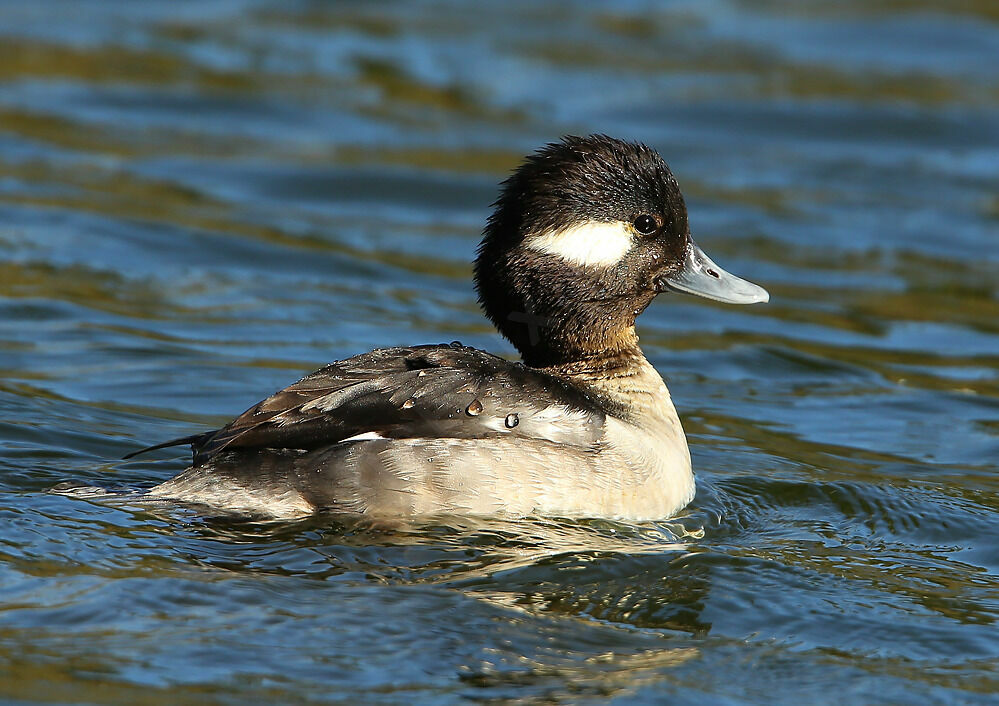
(585, 234)
(448, 429)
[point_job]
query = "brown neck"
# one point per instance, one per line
(556, 314)
(603, 358)
(569, 332)
(628, 385)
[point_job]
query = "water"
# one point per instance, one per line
(201, 202)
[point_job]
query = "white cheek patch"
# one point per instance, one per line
(593, 243)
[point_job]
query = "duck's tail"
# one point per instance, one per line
(194, 440)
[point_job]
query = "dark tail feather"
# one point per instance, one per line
(193, 439)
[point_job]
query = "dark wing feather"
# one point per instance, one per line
(423, 391)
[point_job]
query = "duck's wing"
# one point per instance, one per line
(444, 391)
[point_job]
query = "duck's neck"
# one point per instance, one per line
(622, 376)
(578, 344)
(555, 315)
(618, 356)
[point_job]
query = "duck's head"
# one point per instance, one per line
(584, 235)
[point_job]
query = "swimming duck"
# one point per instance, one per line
(584, 235)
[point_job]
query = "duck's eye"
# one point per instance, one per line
(646, 224)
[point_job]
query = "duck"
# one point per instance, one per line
(583, 236)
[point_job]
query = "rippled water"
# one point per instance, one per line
(201, 202)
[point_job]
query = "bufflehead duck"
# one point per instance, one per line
(584, 235)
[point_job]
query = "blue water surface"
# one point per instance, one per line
(201, 202)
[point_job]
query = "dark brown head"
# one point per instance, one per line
(585, 233)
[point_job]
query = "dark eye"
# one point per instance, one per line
(646, 224)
